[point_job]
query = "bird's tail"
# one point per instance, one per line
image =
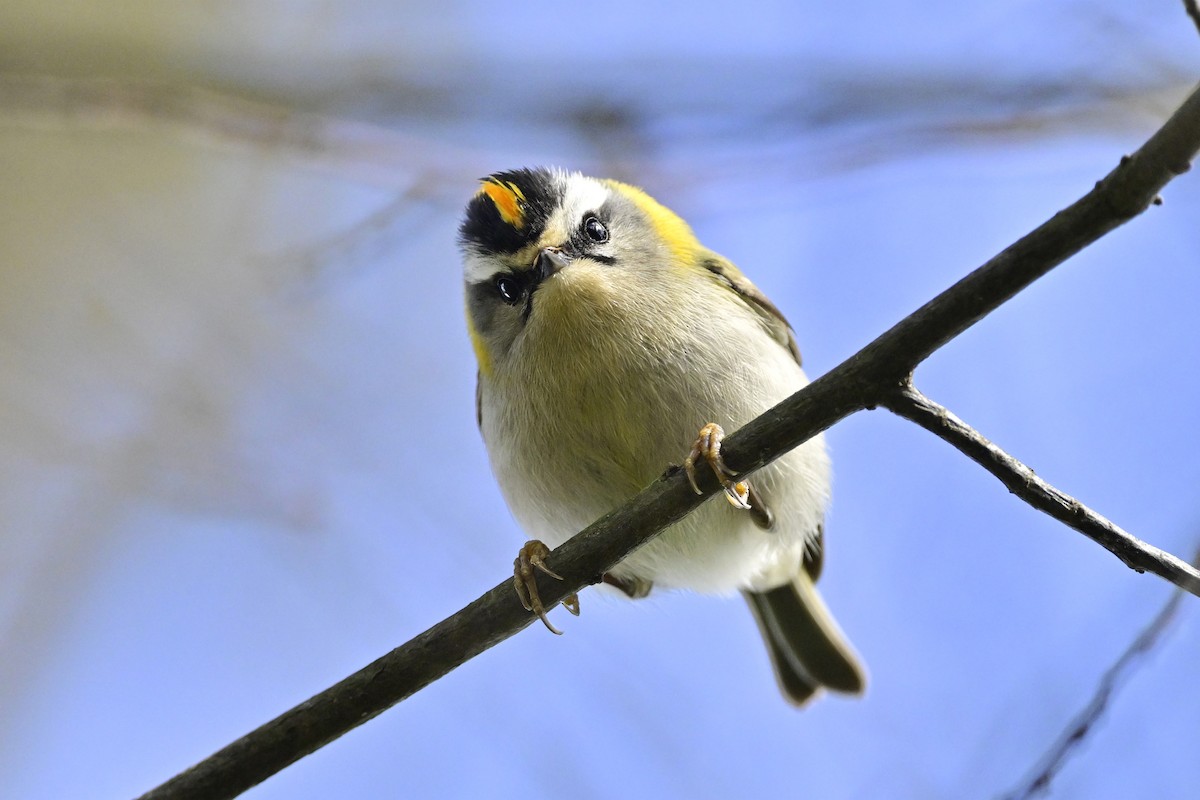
(808, 650)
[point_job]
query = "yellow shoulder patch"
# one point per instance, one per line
(674, 231)
(508, 199)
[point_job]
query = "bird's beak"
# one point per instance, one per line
(550, 261)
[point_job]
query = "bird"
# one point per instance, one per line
(610, 343)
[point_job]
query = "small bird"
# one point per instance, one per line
(610, 343)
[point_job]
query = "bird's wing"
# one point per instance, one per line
(770, 315)
(479, 401)
(774, 321)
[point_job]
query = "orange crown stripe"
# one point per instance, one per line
(507, 198)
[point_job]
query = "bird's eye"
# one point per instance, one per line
(509, 288)
(595, 229)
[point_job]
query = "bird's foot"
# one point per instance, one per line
(708, 447)
(740, 494)
(529, 561)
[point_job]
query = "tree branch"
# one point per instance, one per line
(864, 381)
(910, 403)
(1085, 722)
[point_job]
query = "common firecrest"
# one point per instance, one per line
(611, 343)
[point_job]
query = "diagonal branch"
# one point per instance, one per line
(864, 381)
(911, 404)
(1085, 722)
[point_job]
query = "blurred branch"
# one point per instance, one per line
(1113, 677)
(1023, 114)
(910, 403)
(1193, 11)
(870, 378)
(370, 241)
(917, 113)
(370, 154)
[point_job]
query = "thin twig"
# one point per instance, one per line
(861, 382)
(1085, 722)
(910, 403)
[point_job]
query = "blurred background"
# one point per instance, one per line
(238, 454)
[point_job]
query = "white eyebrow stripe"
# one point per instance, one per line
(582, 195)
(477, 268)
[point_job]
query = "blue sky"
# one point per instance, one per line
(242, 459)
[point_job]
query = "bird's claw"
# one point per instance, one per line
(529, 561)
(708, 447)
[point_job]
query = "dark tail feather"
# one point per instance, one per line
(808, 650)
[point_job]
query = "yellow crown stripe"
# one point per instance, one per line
(508, 199)
(670, 227)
